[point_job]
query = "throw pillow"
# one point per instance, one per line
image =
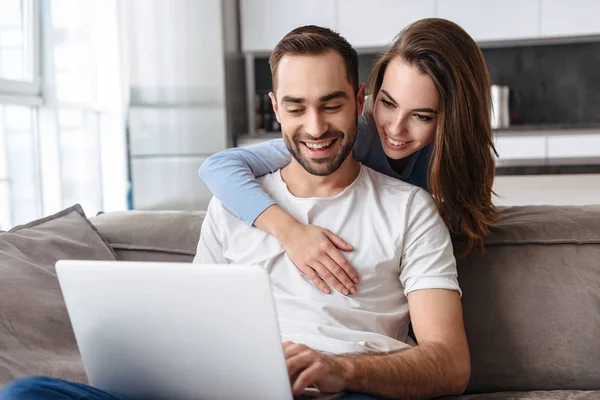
(36, 337)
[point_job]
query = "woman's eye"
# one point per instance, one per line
(386, 103)
(423, 117)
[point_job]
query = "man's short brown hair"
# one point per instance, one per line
(315, 40)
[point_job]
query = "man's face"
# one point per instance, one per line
(317, 109)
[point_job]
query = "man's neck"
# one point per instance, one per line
(300, 183)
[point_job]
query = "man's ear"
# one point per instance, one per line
(274, 104)
(360, 99)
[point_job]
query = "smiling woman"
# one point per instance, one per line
(426, 122)
(406, 121)
(431, 88)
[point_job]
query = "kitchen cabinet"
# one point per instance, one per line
(377, 22)
(265, 22)
(493, 20)
(574, 146)
(521, 148)
(374, 24)
(569, 18)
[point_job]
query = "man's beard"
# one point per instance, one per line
(324, 166)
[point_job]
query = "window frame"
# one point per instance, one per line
(22, 92)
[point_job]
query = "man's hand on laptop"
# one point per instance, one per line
(316, 252)
(309, 368)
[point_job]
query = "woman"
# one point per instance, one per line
(426, 122)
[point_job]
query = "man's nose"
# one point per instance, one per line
(316, 125)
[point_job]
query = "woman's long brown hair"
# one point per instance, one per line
(462, 165)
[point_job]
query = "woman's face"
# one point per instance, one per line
(406, 110)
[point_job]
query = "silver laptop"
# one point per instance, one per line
(178, 331)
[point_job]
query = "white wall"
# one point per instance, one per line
(547, 189)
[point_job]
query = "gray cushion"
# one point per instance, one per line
(36, 337)
(532, 301)
(547, 225)
(152, 235)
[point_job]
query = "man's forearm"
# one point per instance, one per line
(425, 371)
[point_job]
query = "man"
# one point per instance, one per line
(402, 250)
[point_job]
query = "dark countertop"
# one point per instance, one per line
(556, 166)
(544, 129)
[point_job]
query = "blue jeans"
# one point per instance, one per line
(44, 388)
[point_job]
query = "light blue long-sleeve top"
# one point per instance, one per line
(231, 174)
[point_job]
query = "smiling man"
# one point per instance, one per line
(402, 249)
(323, 155)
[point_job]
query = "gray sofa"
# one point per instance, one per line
(531, 298)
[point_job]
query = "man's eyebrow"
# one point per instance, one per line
(290, 99)
(340, 94)
(334, 95)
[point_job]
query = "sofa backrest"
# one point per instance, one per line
(152, 235)
(532, 301)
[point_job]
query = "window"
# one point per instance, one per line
(53, 126)
(19, 173)
(19, 55)
(73, 42)
(20, 197)
(79, 148)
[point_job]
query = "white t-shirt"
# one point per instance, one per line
(400, 245)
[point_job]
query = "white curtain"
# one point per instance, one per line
(83, 88)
